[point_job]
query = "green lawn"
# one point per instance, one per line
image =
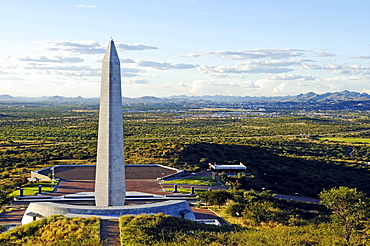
(32, 189)
(348, 140)
(196, 180)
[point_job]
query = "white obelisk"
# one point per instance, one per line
(110, 184)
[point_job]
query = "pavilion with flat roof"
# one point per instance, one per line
(228, 168)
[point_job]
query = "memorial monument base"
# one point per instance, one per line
(39, 210)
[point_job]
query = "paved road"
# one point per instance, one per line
(204, 187)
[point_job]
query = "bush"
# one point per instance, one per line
(151, 229)
(55, 230)
(235, 209)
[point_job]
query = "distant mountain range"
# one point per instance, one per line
(308, 98)
(333, 97)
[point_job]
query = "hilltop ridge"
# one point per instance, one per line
(310, 97)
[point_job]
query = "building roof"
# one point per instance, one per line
(228, 166)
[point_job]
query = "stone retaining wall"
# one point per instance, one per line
(38, 210)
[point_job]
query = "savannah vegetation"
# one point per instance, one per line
(283, 150)
(55, 231)
(259, 219)
(342, 218)
(288, 152)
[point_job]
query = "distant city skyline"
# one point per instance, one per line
(185, 47)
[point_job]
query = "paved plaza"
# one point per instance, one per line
(75, 179)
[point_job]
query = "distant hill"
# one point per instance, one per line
(6, 98)
(331, 97)
(308, 98)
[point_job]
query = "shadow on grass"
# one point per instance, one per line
(281, 174)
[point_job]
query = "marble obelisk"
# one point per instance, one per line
(110, 184)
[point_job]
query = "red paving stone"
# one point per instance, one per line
(138, 178)
(13, 217)
(147, 186)
(66, 187)
(87, 172)
(203, 213)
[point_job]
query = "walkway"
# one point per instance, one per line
(109, 232)
(206, 214)
(12, 218)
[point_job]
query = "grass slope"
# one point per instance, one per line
(348, 140)
(55, 231)
(282, 174)
(162, 230)
(152, 229)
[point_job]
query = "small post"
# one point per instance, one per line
(21, 192)
(175, 189)
(40, 189)
(192, 191)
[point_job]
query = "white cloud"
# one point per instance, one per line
(279, 88)
(324, 54)
(79, 74)
(217, 76)
(83, 47)
(250, 85)
(127, 60)
(289, 77)
(57, 59)
(85, 6)
(164, 65)
(87, 47)
(198, 86)
(358, 69)
(338, 69)
(205, 87)
(361, 57)
(251, 54)
(141, 81)
(135, 47)
(274, 66)
(135, 81)
(67, 67)
(130, 70)
(129, 75)
(13, 78)
(302, 84)
(181, 84)
(336, 86)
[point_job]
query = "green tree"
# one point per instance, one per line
(215, 197)
(350, 209)
(235, 209)
(260, 211)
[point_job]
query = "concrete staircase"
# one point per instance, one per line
(109, 232)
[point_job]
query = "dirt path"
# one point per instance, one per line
(109, 232)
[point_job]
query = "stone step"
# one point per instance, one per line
(109, 232)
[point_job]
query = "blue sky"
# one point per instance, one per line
(185, 47)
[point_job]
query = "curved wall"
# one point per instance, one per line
(39, 210)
